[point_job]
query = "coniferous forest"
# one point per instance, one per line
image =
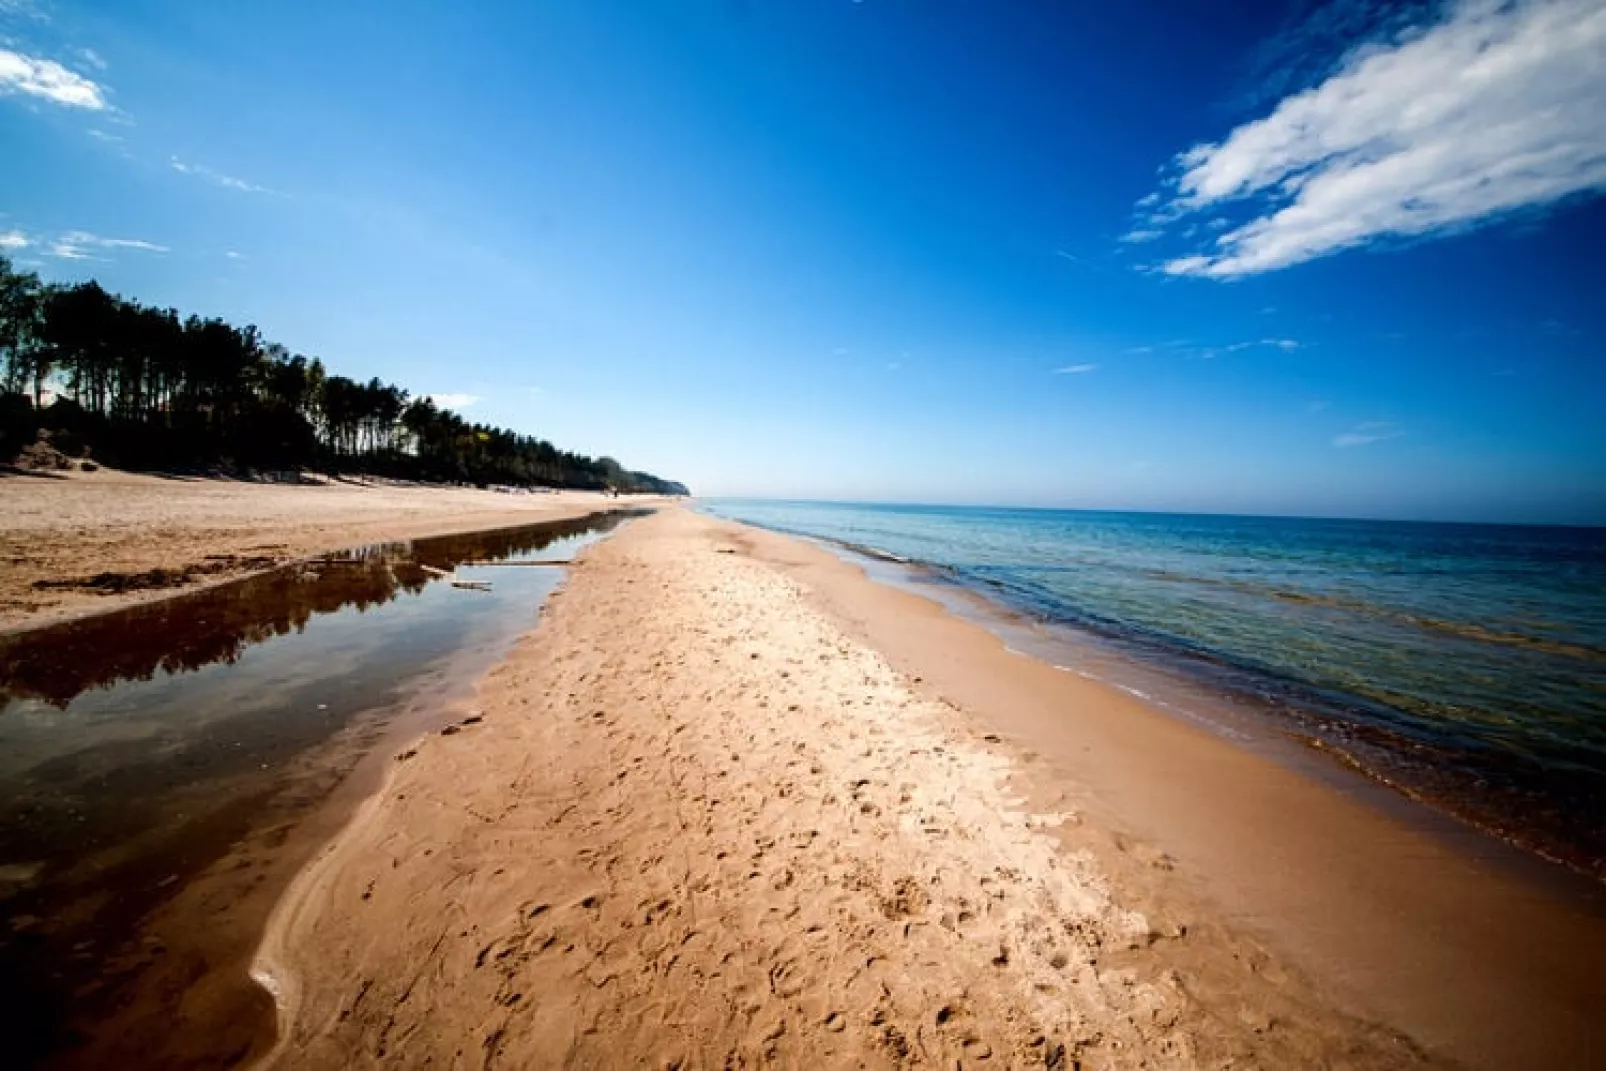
(140, 387)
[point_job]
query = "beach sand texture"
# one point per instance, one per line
(696, 824)
(63, 531)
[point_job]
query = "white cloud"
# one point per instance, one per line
(1373, 431)
(75, 245)
(48, 80)
(453, 401)
(1196, 352)
(101, 135)
(226, 181)
(1494, 108)
(85, 238)
(93, 58)
(14, 240)
(1142, 234)
(29, 9)
(1074, 369)
(1287, 345)
(68, 251)
(233, 254)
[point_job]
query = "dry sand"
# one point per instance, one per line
(701, 822)
(99, 535)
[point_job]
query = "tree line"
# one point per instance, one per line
(142, 388)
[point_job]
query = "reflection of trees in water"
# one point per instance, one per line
(446, 552)
(187, 632)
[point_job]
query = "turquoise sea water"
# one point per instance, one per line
(1465, 663)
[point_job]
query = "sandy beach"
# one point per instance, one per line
(697, 820)
(730, 801)
(81, 543)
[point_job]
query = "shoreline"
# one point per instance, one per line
(1151, 852)
(108, 540)
(1460, 909)
(238, 893)
(171, 887)
(1280, 716)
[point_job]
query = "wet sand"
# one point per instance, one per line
(1401, 916)
(83, 543)
(167, 769)
(733, 801)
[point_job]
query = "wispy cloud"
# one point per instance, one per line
(68, 251)
(85, 238)
(1493, 108)
(451, 400)
(1373, 431)
(217, 177)
(1287, 345)
(76, 245)
(49, 80)
(101, 135)
(23, 8)
(1063, 255)
(93, 58)
(233, 254)
(1074, 369)
(14, 240)
(1209, 353)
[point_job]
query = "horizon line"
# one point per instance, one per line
(1584, 525)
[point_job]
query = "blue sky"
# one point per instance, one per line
(1337, 259)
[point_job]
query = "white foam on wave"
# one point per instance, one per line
(1084, 674)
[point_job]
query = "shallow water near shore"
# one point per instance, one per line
(144, 749)
(1462, 664)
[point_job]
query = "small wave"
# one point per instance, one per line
(1463, 629)
(858, 548)
(872, 552)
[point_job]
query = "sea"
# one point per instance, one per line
(1462, 664)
